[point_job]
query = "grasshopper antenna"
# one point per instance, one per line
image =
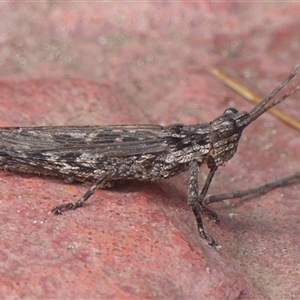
(266, 103)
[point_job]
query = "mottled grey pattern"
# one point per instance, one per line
(104, 154)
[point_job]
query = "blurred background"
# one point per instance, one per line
(116, 62)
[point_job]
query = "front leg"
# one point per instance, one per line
(196, 201)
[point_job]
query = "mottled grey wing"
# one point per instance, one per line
(68, 142)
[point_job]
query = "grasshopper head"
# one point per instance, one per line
(225, 132)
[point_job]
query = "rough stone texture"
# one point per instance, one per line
(114, 63)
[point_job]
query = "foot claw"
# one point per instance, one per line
(210, 241)
(214, 245)
(57, 210)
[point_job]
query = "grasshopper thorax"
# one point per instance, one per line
(225, 132)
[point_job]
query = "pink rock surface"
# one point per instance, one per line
(115, 63)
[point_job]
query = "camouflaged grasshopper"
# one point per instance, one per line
(103, 155)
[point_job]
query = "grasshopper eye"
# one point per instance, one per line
(230, 111)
